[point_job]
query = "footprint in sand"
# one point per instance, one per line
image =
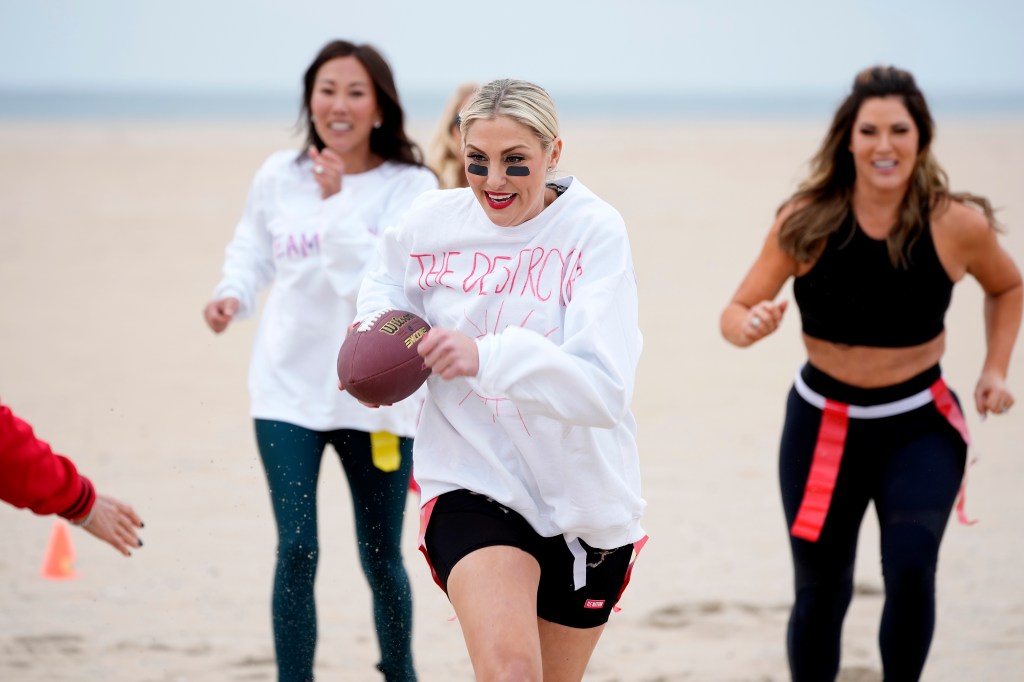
(682, 615)
(55, 642)
(859, 674)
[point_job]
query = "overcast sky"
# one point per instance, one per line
(600, 46)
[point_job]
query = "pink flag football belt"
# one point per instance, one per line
(828, 450)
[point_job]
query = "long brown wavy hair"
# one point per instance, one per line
(824, 199)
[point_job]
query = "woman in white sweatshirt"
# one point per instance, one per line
(526, 449)
(309, 230)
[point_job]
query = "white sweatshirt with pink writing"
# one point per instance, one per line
(313, 253)
(545, 427)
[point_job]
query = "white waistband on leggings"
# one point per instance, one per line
(901, 406)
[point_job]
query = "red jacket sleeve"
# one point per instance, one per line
(32, 476)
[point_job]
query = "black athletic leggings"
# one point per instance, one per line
(291, 457)
(911, 466)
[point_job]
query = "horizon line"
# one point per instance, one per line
(91, 103)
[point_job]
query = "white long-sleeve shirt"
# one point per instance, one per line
(314, 253)
(545, 427)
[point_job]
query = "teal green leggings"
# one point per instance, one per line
(291, 457)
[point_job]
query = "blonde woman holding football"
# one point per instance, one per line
(526, 449)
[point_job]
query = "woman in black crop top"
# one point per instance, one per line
(875, 241)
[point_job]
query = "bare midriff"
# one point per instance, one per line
(871, 366)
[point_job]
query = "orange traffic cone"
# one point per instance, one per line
(59, 562)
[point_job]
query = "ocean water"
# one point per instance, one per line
(426, 106)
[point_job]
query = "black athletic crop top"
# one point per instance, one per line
(854, 295)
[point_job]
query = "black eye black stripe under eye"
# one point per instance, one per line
(515, 171)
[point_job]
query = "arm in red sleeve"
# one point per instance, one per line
(32, 476)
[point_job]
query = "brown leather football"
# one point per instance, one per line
(378, 362)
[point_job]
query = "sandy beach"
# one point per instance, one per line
(113, 236)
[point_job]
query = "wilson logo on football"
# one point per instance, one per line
(392, 326)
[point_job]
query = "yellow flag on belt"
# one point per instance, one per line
(384, 447)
